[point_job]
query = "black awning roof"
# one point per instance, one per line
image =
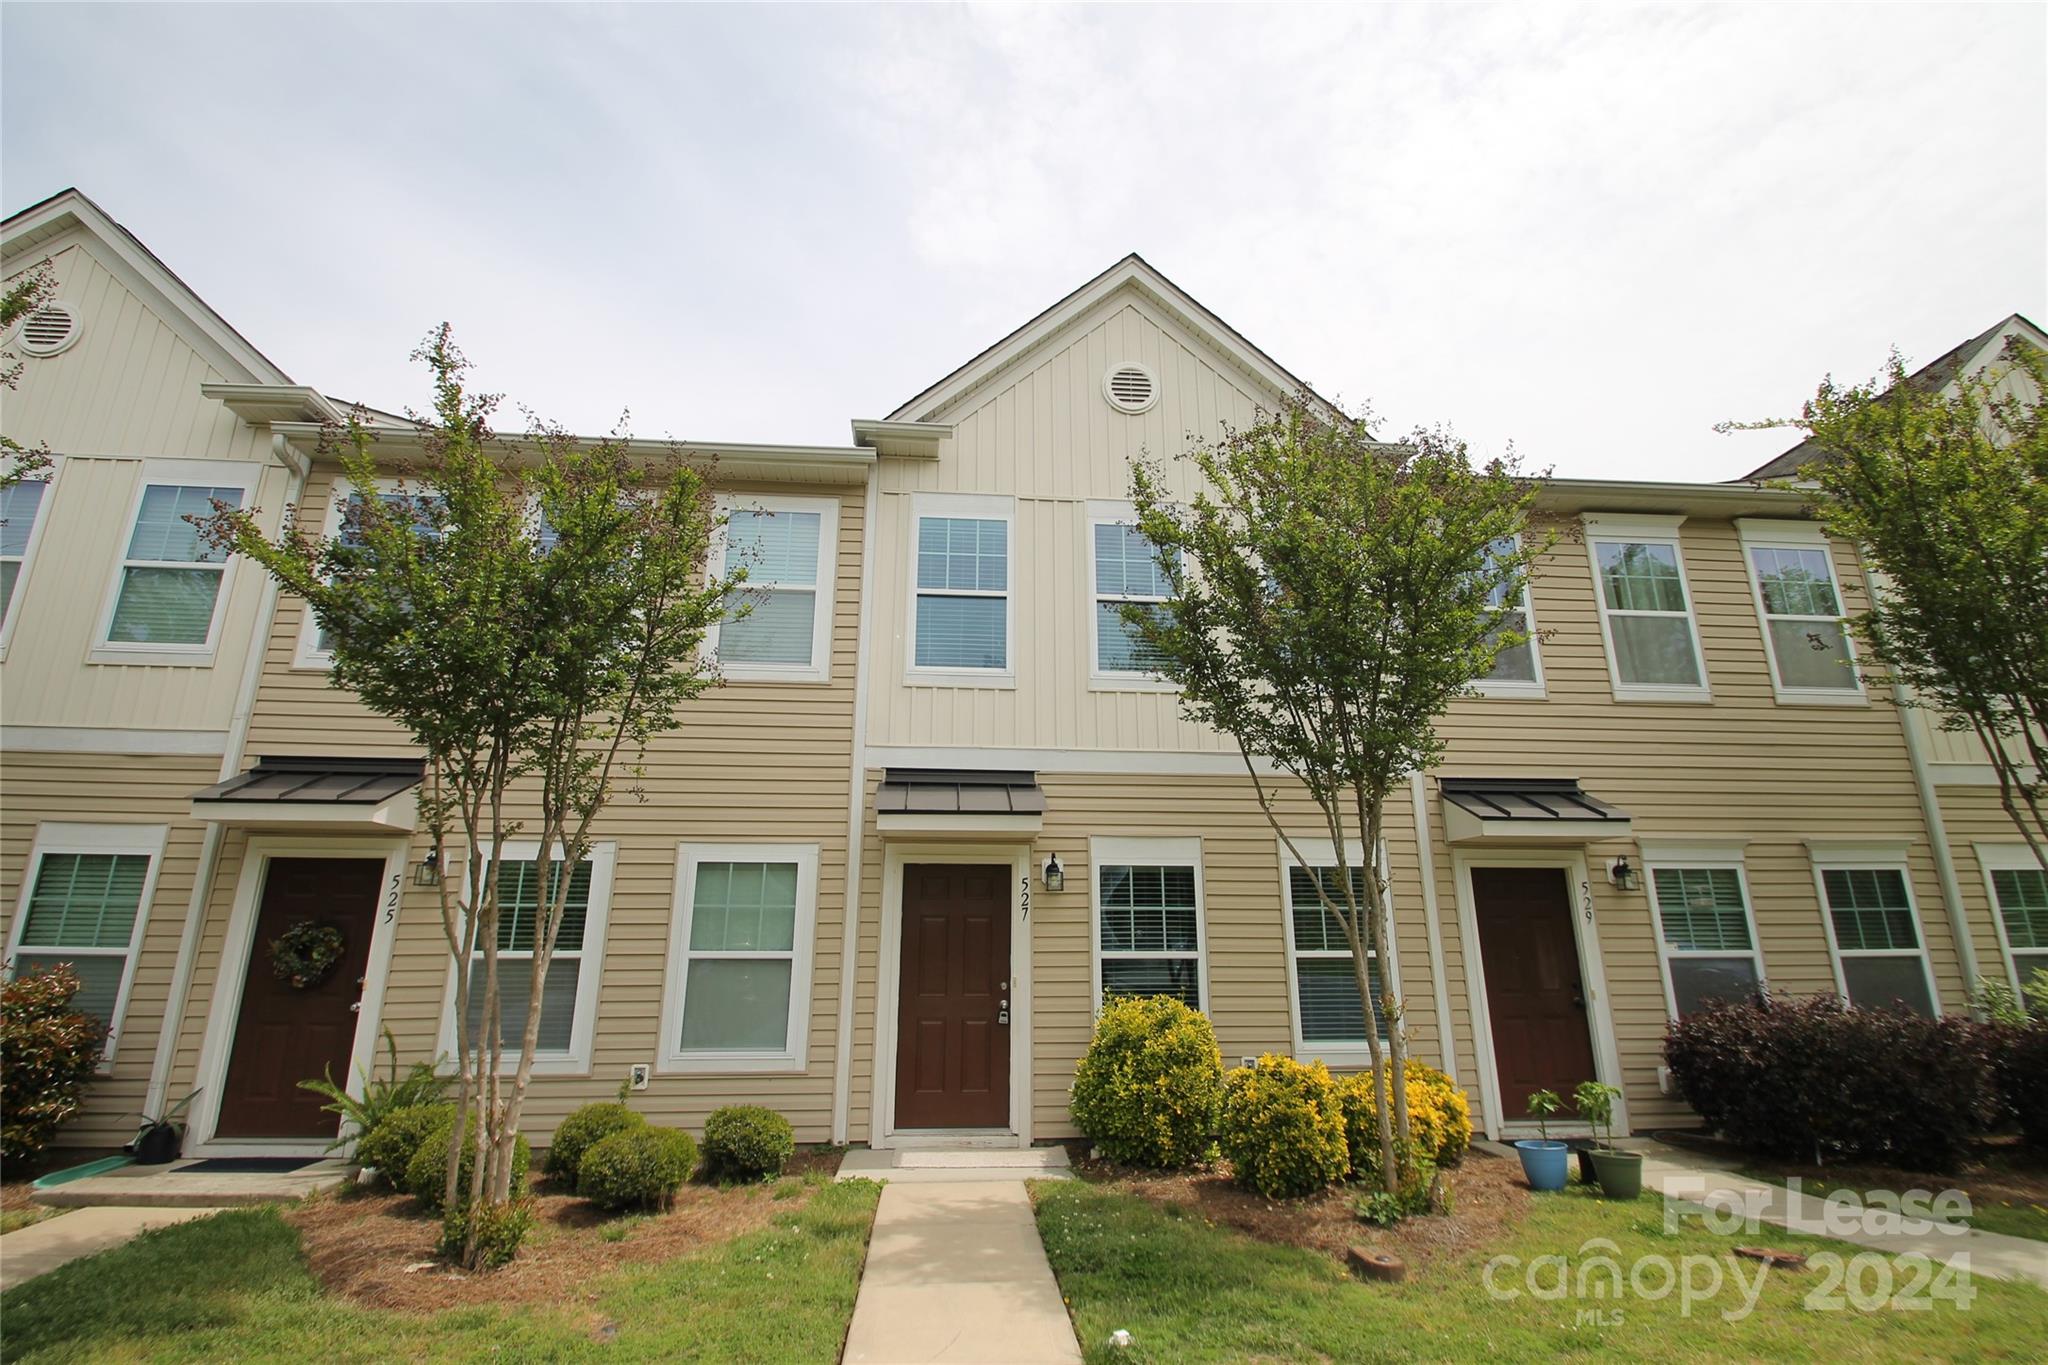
(340, 781)
(958, 791)
(1534, 799)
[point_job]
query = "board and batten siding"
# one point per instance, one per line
(753, 762)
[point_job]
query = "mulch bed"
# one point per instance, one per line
(1488, 1197)
(377, 1248)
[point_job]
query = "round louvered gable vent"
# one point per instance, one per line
(1130, 388)
(48, 330)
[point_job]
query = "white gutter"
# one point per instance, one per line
(209, 848)
(856, 823)
(1425, 857)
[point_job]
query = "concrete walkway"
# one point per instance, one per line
(956, 1273)
(180, 1185)
(42, 1247)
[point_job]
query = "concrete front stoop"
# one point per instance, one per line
(175, 1186)
(955, 1165)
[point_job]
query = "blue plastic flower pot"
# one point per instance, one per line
(1544, 1163)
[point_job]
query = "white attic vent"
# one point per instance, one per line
(48, 330)
(1130, 388)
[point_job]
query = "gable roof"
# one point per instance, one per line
(1132, 272)
(69, 210)
(1932, 377)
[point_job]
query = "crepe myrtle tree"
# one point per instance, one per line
(530, 613)
(1330, 596)
(1946, 493)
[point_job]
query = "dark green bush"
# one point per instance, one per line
(746, 1142)
(388, 1147)
(500, 1228)
(426, 1173)
(636, 1167)
(48, 1052)
(2020, 1058)
(582, 1130)
(1150, 1086)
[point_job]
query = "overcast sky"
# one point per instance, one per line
(1595, 232)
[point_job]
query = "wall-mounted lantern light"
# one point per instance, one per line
(1055, 875)
(428, 873)
(1622, 876)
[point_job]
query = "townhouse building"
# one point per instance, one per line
(881, 877)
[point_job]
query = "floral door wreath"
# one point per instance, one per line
(305, 953)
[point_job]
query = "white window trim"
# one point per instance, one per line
(1688, 855)
(819, 669)
(183, 474)
(1145, 852)
(1775, 534)
(1881, 857)
(28, 550)
(59, 837)
(576, 1060)
(1536, 689)
(2005, 858)
(793, 1057)
(1323, 853)
(1103, 512)
(308, 654)
(981, 507)
(1647, 530)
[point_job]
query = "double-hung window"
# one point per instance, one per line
(1799, 605)
(1148, 918)
(2019, 897)
(568, 1013)
(21, 506)
(1707, 937)
(84, 902)
(1518, 669)
(1124, 568)
(786, 546)
(171, 588)
(1653, 644)
(344, 523)
(1329, 1015)
(739, 970)
(1880, 957)
(961, 599)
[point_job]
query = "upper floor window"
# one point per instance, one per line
(786, 546)
(1653, 646)
(1517, 670)
(1880, 957)
(21, 506)
(1148, 918)
(345, 506)
(962, 588)
(1800, 607)
(171, 588)
(1124, 568)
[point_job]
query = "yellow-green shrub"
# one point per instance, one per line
(1439, 1119)
(1283, 1127)
(1148, 1088)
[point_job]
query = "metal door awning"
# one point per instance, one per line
(318, 792)
(959, 801)
(1527, 810)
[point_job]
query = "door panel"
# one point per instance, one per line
(1534, 992)
(953, 1045)
(284, 1034)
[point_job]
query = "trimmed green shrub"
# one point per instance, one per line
(1283, 1127)
(636, 1167)
(48, 1052)
(746, 1142)
(426, 1173)
(500, 1228)
(1439, 1119)
(1813, 1079)
(584, 1129)
(389, 1146)
(1150, 1086)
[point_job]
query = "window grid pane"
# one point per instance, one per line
(1641, 577)
(1795, 582)
(2023, 904)
(963, 554)
(1148, 909)
(163, 536)
(1316, 928)
(85, 900)
(775, 547)
(744, 908)
(1701, 909)
(519, 906)
(1125, 565)
(19, 504)
(1870, 910)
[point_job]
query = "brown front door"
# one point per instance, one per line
(1534, 992)
(285, 1034)
(952, 1024)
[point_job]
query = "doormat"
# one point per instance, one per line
(246, 1165)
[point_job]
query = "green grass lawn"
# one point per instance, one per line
(1189, 1292)
(2013, 1218)
(234, 1287)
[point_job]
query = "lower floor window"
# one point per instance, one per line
(1326, 986)
(1709, 952)
(84, 911)
(2022, 894)
(522, 899)
(1877, 939)
(1149, 930)
(739, 990)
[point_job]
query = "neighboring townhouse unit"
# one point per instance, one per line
(882, 876)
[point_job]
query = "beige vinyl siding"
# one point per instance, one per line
(99, 789)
